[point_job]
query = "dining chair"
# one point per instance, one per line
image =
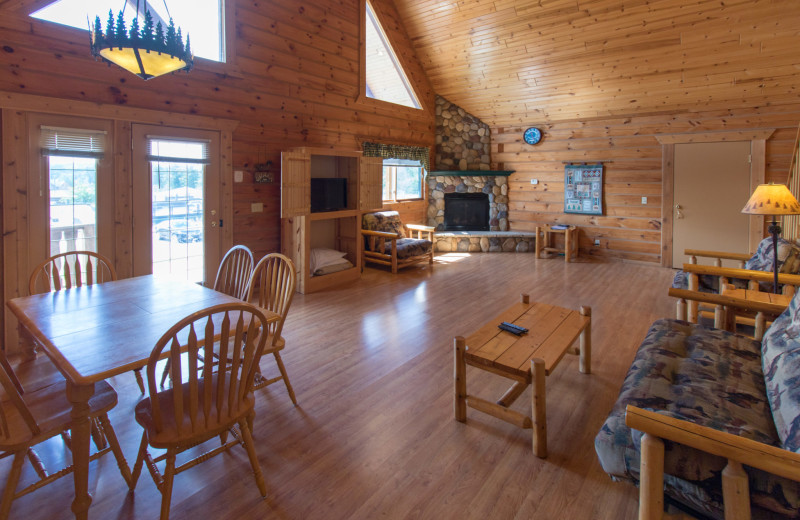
(30, 418)
(272, 283)
(202, 403)
(232, 278)
(74, 269)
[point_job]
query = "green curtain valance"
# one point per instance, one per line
(396, 151)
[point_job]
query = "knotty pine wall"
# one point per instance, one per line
(628, 230)
(294, 82)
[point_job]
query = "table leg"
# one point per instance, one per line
(79, 396)
(539, 410)
(460, 378)
(567, 245)
(586, 343)
(538, 246)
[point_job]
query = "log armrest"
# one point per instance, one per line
(380, 234)
(717, 255)
(728, 301)
(420, 229)
(738, 450)
(745, 274)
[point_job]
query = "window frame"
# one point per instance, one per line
(362, 97)
(393, 182)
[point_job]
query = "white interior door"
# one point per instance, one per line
(711, 186)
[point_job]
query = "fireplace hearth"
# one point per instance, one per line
(466, 212)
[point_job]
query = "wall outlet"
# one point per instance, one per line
(238, 176)
(597, 241)
(257, 207)
(534, 181)
(644, 200)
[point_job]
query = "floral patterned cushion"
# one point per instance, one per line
(781, 365)
(709, 377)
(762, 259)
(408, 247)
(386, 221)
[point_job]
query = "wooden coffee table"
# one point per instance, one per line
(525, 359)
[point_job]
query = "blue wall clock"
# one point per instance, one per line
(532, 135)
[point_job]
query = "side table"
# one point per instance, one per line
(544, 241)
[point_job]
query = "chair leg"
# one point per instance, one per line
(11, 484)
(247, 439)
(165, 373)
(285, 377)
(111, 436)
(139, 380)
(166, 486)
(98, 435)
(137, 467)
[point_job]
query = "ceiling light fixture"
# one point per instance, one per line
(147, 52)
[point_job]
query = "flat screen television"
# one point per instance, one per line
(328, 194)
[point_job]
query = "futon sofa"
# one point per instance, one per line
(721, 380)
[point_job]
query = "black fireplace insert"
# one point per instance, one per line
(466, 212)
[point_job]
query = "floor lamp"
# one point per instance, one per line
(772, 199)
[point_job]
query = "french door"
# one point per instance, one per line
(176, 201)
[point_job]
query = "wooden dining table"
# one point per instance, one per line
(95, 332)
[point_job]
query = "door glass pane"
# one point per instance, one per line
(177, 211)
(73, 204)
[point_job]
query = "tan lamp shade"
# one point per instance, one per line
(772, 199)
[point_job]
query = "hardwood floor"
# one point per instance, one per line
(373, 435)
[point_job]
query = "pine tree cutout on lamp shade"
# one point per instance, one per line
(147, 52)
(772, 199)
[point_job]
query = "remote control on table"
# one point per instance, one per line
(513, 329)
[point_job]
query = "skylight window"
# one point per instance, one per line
(200, 19)
(386, 79)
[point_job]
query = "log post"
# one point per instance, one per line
(651, 484)
(460, 379)
(585, 365)
(694, 283)
(539, 409)
(735, 492)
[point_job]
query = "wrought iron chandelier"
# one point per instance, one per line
(148, 51)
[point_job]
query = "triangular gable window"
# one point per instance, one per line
(201, 20)
(386, 79)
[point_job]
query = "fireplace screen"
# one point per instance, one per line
(466, 212)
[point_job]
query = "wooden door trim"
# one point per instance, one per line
(758, 153)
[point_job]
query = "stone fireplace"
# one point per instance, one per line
(495, 187)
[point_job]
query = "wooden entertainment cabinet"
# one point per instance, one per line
(302, 230)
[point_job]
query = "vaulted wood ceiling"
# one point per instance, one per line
(515, 62)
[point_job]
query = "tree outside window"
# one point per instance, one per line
(402, 180)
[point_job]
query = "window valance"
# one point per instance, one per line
(396, 151)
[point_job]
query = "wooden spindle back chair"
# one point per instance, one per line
(28, 419)
(71, 269)
(232, 278)
(272, 287)
(206, 399)
(74, 269)
(234, 272)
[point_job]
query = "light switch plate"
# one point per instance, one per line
(534, 181)
(238, 175)
(257, 207)
(644, 200)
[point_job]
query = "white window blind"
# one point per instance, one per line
(72, 142)
(160, 149)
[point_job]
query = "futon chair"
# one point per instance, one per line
(74, 269)
(754, 271)
(202, 403)
(30, 418)
(386, 242)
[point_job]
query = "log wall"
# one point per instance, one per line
(628, 230)
(294, 82)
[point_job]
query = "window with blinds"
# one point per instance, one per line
(71, 156)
